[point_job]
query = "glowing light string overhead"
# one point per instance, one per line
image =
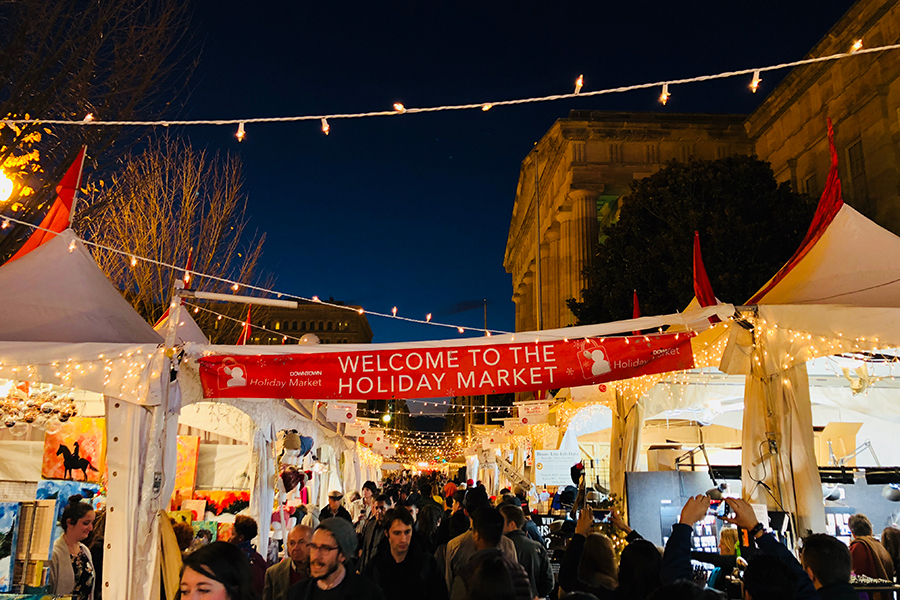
(400, 109)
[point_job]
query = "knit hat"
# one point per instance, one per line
(343, 533)
(370, 485)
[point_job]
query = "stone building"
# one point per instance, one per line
(583, 164)
(331, 324)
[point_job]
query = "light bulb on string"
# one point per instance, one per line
(664, 96)
(6, 190)
(133, 261)
(487, 106)
(88, 117)
(428, 318)
(754, 84)
(399, 108)
(235, 287)
(241, 134)
(579, 83)
(325, 126)
(5, 224)
(857, 45)
(394, 311)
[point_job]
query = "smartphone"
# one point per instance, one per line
(723, 510)
(601, 516)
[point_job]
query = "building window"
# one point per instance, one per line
(294, 325)
(277, 326)
(330, 326)
(810, 186)
(321, 325)
(303, 325)
(857, 166)
(285, 325)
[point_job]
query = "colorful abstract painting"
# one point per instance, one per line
(77, 452)
(9, 516)
(181, 516)
(196, 507)
(224, 531)
(186, 465)
(220, 502)
(61, 491)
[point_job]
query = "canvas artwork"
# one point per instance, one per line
(9, 513)
(61, 491)
(181, 516)
(220, 501)
(224, 531)
(77, 452)
(205, 531)
(197, 508)
(186, 465)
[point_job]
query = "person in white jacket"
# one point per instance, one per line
(71, 567)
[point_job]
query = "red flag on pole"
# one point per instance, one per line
(59, 217)
(187, 269)
(702, 287)
(245, 330)
(635, 311)
(187, 285)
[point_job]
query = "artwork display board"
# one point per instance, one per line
(9, 520)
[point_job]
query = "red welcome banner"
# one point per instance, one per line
(450, 371)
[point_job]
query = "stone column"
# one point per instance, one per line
(552, 288)
(565, 267)
(528, 301)
(546, 286)
(517, 299)
(582, 236)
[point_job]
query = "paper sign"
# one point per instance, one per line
(418, 372)
(554, 467)
(356, 429)
(533, 413)
(374, 436)
(341, 412)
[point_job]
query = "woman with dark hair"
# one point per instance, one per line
(217, 571)
(71, 566)
(598, 562)
(427, 526)
(890, 539)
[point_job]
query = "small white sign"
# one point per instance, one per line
(554, 467)
(341, 412)
(532, 414)
(356, 429)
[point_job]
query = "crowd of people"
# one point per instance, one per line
(430, 539)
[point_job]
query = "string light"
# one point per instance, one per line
(240, 132)
(394, 311)
(88, 117)
(578, 84)
(428, 318)
(754, 85)
(5, 224)
(235, 287)
(133, 261)
(325, 126)
(479, 105)
(72, 246)
(487, 106)
(857, 46)
(664, 96)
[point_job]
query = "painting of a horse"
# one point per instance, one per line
(73, 462)
(77, 452)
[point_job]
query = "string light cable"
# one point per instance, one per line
(235, 285)
(400, 109)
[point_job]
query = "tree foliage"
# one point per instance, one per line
(162, 203)
(115, 59)
(749, 226)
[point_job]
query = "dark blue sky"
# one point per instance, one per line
(414, 210)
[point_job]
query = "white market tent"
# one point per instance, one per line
(64, 323)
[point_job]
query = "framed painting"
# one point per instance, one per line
(9, 517)
(77, 452)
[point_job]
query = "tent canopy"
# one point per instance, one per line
(57, 293)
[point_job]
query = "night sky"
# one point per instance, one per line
(413, 211)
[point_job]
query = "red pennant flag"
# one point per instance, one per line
(187, 285)
(245, 330)
(635, 311)
(59, 217)
(187, 269)
(829, 205)
(702, 287)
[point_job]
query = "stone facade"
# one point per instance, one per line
(584, 167)
(331, 324)
(584, 164)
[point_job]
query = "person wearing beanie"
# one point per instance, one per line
(335, 508)
(361, 509)
(333, 545)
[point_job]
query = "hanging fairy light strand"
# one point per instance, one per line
(236, 285)
(400, 109)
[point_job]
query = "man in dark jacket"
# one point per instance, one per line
(334, 508)
(372, 532)
(402, 567)
(487, 531)
(333, 544)
(531, 555)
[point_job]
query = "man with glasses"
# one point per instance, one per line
(293, 569)
(333, 544)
